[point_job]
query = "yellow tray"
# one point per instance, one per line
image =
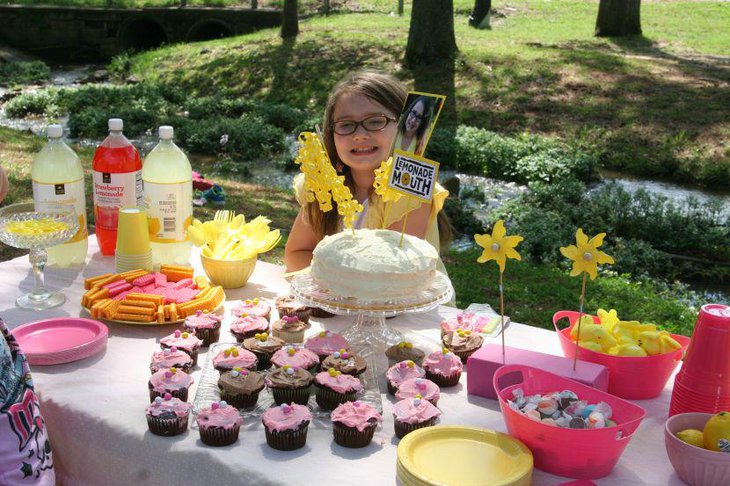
(462, 456)
(151, 323)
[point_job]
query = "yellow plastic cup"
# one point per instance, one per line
(133, 237)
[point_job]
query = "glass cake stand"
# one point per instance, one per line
(370, 326)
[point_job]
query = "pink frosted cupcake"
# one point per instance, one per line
(185, 341)
(286, 426)
(252, 307)
(167, 415)
(421, 387)
(296, 358)
(248, 326)
(290, 329)
(412, 414)
(334, 388)
(219, 424)
(400, 372)
(443, 367)
(206, 326)
(354, 424)
(234, 357)
(171, 381)
(326, 343)
(171, 358)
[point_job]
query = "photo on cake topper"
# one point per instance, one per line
(417, 121)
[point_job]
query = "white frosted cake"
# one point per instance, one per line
(370, 265)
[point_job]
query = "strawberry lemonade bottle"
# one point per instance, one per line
(168, 197)
(117, 177)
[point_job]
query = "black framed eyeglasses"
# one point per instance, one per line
(373, 123)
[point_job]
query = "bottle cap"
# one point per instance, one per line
(54, 131)
(166, 132)
(116, 124)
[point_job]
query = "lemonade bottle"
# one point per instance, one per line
(117, 176)
(58, 178)
(168, 197)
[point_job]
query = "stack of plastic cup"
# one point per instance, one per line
(703, 383)
(133, 240)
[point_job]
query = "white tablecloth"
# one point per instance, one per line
(94, 408)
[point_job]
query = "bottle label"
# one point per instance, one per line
(113, 191)
(169, 210)
(47, 197)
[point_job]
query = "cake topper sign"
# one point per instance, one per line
(413, 176)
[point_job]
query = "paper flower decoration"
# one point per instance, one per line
(498, 246)
(321, 182)
(585, 254)
(381, 182)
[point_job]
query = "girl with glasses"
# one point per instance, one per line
(359, 129)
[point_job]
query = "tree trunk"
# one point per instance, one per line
(431, 38)
(618, 17)
(479, 17)
(290, 19)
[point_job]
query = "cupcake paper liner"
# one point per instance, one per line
(351, 437)
(218, 436)
(441, 380)
(167, 427)
(241, 336)
(464, 355)
(289, 395)
(403, 428)
(329, 399)
(320, 313)
(240, 400)
(264, 362)
(208, 335)
(392, 388)
(287, 440)
(302, 315)
(182, 394)
(290, 337)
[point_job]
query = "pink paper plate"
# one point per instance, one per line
(61, 340)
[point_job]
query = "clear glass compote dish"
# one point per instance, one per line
(21, 226)
(370, 326)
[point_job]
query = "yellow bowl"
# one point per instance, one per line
(229, 274)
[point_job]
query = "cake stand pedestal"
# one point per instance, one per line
(370, 327)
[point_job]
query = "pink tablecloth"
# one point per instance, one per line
(94, 408)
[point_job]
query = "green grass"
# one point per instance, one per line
(539, 69)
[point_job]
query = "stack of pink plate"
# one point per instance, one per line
(61, 340)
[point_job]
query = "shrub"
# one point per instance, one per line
(24, 72)
(550, 165)
(33, 103)
(248, 137)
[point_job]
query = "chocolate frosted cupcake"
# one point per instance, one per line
(345, 362)
(185, 341)
(334, 388)
(290, 329)
(263, 346)
(297, 358)
(171, 358)
(404, 351)
(289, 385)
(240, 387)
(400, 372)
(252, 307)
(354, 424)
(462, 343)
(287, 305)
(219, 425)
(206, 326)
(412, 414)
(420, 387)
(171, 381)
(443, 368)
(235, 356)
(248, 326)
(286, 426)
(326, 343)
(167, 415)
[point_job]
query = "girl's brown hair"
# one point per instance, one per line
(384, 90)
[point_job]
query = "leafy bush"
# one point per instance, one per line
(482, 152)
(33, 103)
(550, 165)
(24, 72)
(248, 137)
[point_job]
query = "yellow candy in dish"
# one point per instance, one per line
(35, 226)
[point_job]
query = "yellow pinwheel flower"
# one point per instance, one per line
(381, 182)
(585, 254)
(498, 246)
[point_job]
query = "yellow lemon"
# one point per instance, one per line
(717, 432)
(692, 436)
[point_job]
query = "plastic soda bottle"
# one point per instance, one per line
(168, 197)
(58, 178)
(117, 176)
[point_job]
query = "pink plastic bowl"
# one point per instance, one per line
(694, 465)
(593, 453)
(634, 378)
